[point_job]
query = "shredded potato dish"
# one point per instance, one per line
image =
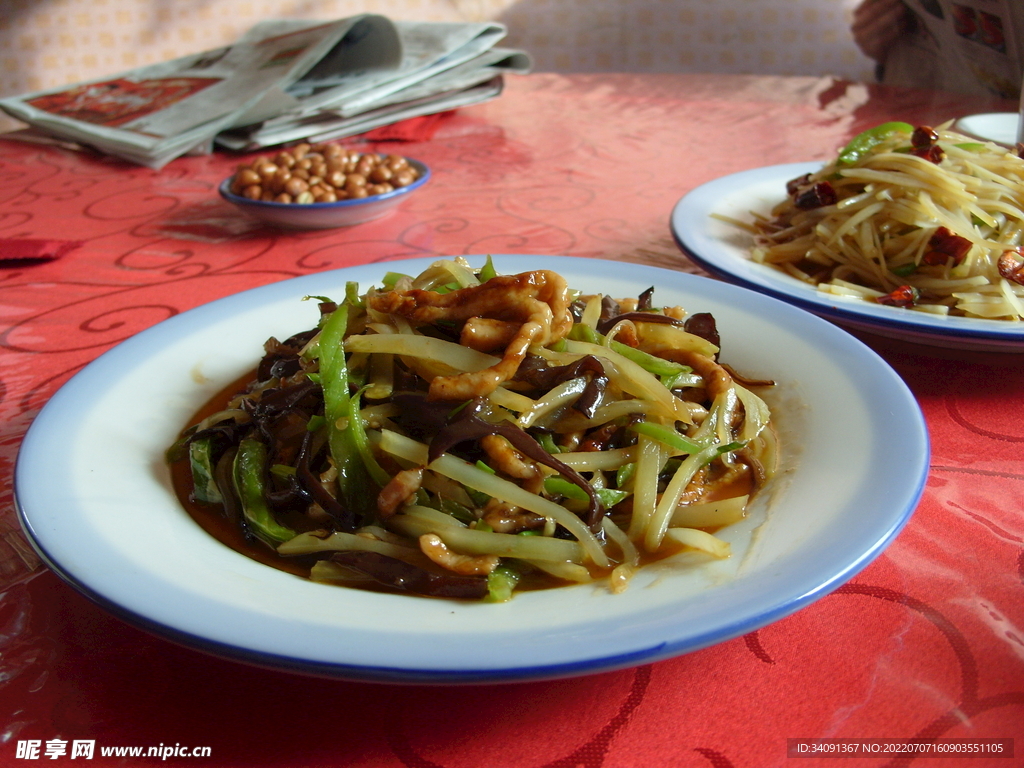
(921, 218)
(464, 434)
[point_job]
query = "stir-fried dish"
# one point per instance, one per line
(921, 218)
(464, 434)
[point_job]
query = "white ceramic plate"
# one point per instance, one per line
(344, 213)
(724, 250)
(855, 461)
(1000, 127)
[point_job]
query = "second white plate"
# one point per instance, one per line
(1000, 127)
(724, 250)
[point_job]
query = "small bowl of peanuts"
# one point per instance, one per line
(322, 186)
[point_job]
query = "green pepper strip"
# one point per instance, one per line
(547, 442)
(650, 363)
(625, 473)
(680, 380)
(487, 271)
(500, 584)
(609, 497)
(864, 142)
(456, 510)
(557, 486)
(362, 442)
(581, 332)
(352, 297)
(391, 278)
(904, 270)
(204, 487)
(354, 481)
(247, 473)
(666, 435)
(478, 498)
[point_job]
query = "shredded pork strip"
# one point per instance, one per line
(538, 301)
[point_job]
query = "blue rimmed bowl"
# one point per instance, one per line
(344, 213)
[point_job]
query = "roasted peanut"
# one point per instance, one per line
(323, 173)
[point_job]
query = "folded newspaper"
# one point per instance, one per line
(283, 81)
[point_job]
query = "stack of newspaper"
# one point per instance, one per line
(283, 81)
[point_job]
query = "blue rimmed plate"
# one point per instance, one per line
(1000, 127)
(854, 461)
(724, 250)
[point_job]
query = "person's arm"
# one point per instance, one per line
(877, 24)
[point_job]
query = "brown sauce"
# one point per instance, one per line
(212, 518)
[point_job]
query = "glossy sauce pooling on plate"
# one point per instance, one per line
(466, 434)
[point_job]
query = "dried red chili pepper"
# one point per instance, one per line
(932, 154)
(924, 136)
(904, 296)
(1010, 268)
(935, 258)
(950, 244)
(819, 195)
(795, 185)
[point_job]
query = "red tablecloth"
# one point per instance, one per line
(927, 642)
